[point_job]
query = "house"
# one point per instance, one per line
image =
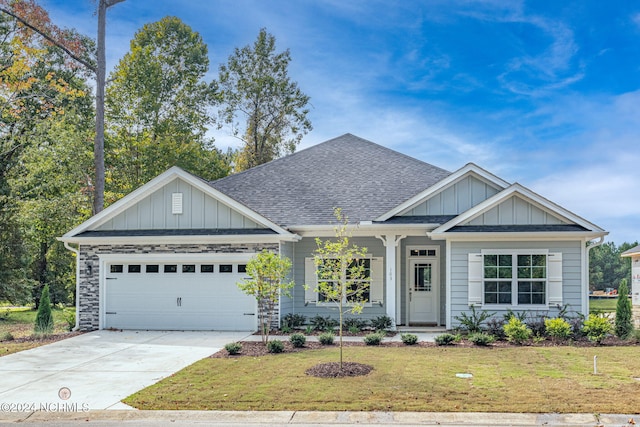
(634, 254)
(168, 255)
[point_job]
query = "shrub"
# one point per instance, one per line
(233, 348)
(275, 346)
(522, 316)
(354, 330)
(558, 328)
(409, 339)
(293, 320)
(536, 324)
(326, 338)
(298, 340)
(44, 319)
(320, 323)
(7, 336)
(634, 336)
(382, 323)
(285, 330)
(481, 338)
(474, 322)
(355, 324)
(495, 327)
(69, 317)
(308, 330)
(373, 338)
(596, 328)
(516, 331)
(447, 339)
(623, 325)
(576, 326)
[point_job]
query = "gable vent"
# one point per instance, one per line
(176, 203)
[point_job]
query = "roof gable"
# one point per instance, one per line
(452, 195)
(362, 178)
(150, 208)
(519, 208)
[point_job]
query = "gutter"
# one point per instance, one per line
(77, 252)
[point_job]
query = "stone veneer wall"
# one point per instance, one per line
(89, 289)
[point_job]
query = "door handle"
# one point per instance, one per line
(179, 302)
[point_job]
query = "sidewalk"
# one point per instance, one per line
(308, 418)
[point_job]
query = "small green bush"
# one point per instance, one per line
(309, 330)
(326, 338)
(275, 346)
(623, 324)
(69, 317)
(409, 339)
(293, 320)
(285, 329)
(558, 328)
(233, 348)
(354, 330)
(381, 323)
(596, 328)
(320, 323)
(373, 338)
(481, 338)
(473, 323)
(353, 323)
(516, 331)
(298, 340)
(446, 339)
(7, 336)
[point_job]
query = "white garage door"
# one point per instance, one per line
(177, 296)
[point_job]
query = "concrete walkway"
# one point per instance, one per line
(100, 368)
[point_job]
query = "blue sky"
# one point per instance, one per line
(544, 93)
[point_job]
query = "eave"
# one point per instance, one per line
(178, 240)
(518, 236)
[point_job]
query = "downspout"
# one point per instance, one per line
(77, 252)
(590, 245)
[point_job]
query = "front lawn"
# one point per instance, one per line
(512, 379)
(603, 305)
(16, 329)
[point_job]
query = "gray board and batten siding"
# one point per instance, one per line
(199, 211)
(571, 273)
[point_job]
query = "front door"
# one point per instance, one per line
(423, 291)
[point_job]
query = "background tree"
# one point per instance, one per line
(623, 324)
(157, 108)
(342, 278)
(268, 274)
(254, 87)
(607, 268)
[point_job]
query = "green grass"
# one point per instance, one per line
(19, 323)
(523, 379)
(604, 305)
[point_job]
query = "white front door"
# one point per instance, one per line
(423, 291)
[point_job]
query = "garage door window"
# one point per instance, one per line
(171, 268)
(116, 268)
(188, 268)
(133, 268)
(153, 268)
(206, 268)
(226, 268)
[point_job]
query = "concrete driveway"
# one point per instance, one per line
(99, 368)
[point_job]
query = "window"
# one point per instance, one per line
(242, 268)
(116, 268)
(170, 268)
(206, 268)
(226, 268)
(359, 275)
(515, 279)
(152, 268)
(131, 268)
(422, 252)
(188, 268)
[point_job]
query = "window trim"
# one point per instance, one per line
(514, 278)
(345, 302)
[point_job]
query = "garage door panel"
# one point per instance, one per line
(178, 301)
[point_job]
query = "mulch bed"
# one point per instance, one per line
(333, 370)
(45, 340)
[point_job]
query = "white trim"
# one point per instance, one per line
(469, 169)
(529, 236)
(184, 239)
(436, 260)
(528, 195)
(448, 284)
(157, 183)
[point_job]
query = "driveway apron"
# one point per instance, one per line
(98, 369)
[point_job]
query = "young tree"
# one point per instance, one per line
(342, 273)
(623, 324)
(157, 106)
(268, 274)
(44, 319)
(254, 86)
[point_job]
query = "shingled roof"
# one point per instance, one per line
(363, 178)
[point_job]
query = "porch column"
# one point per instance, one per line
(391, 244)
